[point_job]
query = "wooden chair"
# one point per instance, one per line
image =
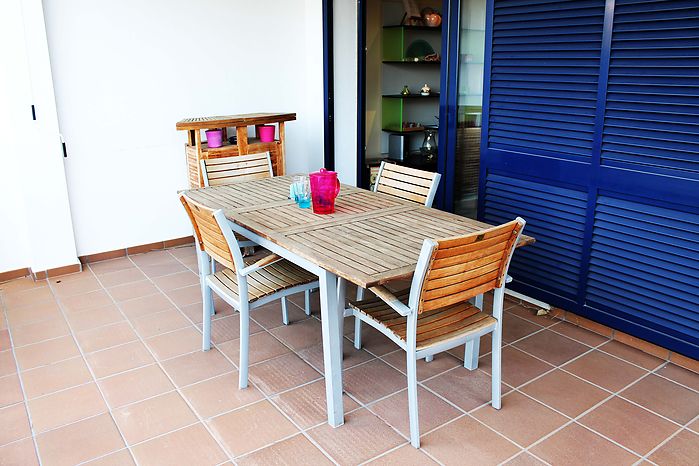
(227, 170)
(243, 286)
(435, 314)
(406, 183)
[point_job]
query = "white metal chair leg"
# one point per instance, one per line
(411, 365)
(429, 358)
(207, 310)
(471, 350)
(496, 369)
(478, 301)
(285, 312)
(244, 345)
(307, 302)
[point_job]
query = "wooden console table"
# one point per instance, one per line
(196, 149)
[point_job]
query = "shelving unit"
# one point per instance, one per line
(196, 149)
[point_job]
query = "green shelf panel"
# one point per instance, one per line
(392, 113)
(393, 44)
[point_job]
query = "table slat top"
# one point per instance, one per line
(371, 239)
(245, 119)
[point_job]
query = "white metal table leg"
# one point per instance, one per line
(473, 347)
(331, 324)
(341, 294)
(478, 301)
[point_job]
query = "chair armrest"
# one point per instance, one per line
(260, 264)
(390, 299)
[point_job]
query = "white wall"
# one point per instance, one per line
(345, 58)
(125, 72)
(36, 221)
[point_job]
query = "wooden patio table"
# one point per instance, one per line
(371, 239)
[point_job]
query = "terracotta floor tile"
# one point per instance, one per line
(228, 328)
(564, 392)
(220, 394)
(612, 420)
(306, 405)
(112, 265)
(466, 389)
(10, 390)
(185, 447)
(119, 359)
(176, 280)
(40, 331)
(154, 416)
(121, 277)
(197, 366)
(263, 346)
(374, 341)
(300, 335)
(145, 305)
(432, 411)
(7, 363)
(576, 445)
(193, 312)
(296, 450)
(57, 376)
(160, 322)
(362, 437)
(251, 427)
(351, 356)
(578, 333)
(184, 296)
(282, 373)
(678, 374)
(65, 286)
(631, 355)
(169, 345)
(183, 253)
(442, 362)
(5, 339)
(604, 370)
(32, 296)
(159, 270)
(269, 316)
(665, 398)
(467, 442)
(521, 419)
(299, 301)
(552, 347)
(404, 456)
(135, 385)
(373, 380)
(46, 352)
(20, 453)
(33, 313)
(106, 336)
(119, 458)
(14, 423)
(528, 312)
(93, 318)
(79, 442)
(152, 258)
(85, 301)
(21, 284)
(683, 448)
(525, 459)
(61, 408)
(517, 366)
(514, 328)
(133, 290)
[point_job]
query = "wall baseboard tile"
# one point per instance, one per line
(65, 270)
(12, 274)
(634, 342)
(138, 249)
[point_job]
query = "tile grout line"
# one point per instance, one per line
(25, 400)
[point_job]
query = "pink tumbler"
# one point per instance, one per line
(324, 189)
(266, 133)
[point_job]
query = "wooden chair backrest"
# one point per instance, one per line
(466, 266)
(227, 170)
(407, 183)
(208, 232)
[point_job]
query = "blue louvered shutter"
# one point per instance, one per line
(652, 113)
(544, 76)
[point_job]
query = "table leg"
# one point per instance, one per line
(341, 293)
(331, 323)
